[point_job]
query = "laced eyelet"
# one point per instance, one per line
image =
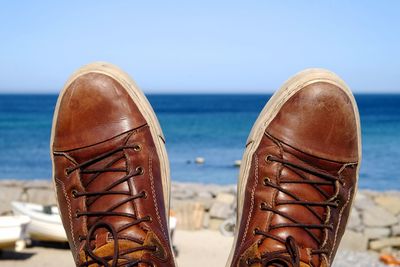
(337, 202)
(262, 205)
(248, 261)
(149, 219)
(255, 230)
(139, 170)
(66, 172)
(77, 214)
(137, 147)
(144, 193)
(266, 180)
(268, 158)
(74, 193)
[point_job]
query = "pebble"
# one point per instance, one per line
(385, 242)
(354, 220)
(376, 232)
(221, 210)
(357, 259)
(354, 241)
(362, 201)
(390, 203)
(237, 163)
(225, 198)
(377, 216)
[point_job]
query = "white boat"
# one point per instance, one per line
(45, 221)
(12, 229)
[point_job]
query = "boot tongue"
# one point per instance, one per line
(95, 181)
(102, 182)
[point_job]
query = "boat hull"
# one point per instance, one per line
(42, 227)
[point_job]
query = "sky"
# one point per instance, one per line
(200, 46)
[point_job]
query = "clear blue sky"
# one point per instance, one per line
(207, 46)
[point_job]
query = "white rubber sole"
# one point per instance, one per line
(287, 90)
(144, 107)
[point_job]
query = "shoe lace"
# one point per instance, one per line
(273, 259)
(91, 197)
(282, 258)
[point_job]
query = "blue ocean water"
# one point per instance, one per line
(211, 126)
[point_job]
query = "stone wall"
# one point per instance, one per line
(374, 223)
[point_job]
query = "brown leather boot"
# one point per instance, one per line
(299, 174)
(110, 171)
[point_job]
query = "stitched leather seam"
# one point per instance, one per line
(329, 160)
(153, 191)
(319, 169)
(252, 200)
(62, 154)
(69, 214)
(133, 131)
(338, 223)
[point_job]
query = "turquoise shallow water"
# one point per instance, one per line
(212, 126)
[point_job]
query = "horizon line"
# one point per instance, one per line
(201, 93)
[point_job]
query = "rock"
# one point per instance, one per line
(237, 163)
(182, 194)
(216, 189)
(390, 203)
(385, 242)
(43, 184)
(353, 241)
(199, 160)
(225, 198)
(362, 201)
(204, 194)
(215, 223)
(378, 216)
(395, 230)
(354, 221)
(376, 232)
(357, 259)
(221, 210)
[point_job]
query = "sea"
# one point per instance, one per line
(214, 127)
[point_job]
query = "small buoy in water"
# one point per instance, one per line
(237, 163)
(199, 160)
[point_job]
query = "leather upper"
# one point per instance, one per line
(94, 108)
(318, 120)
(105, 160)
(301, 182)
